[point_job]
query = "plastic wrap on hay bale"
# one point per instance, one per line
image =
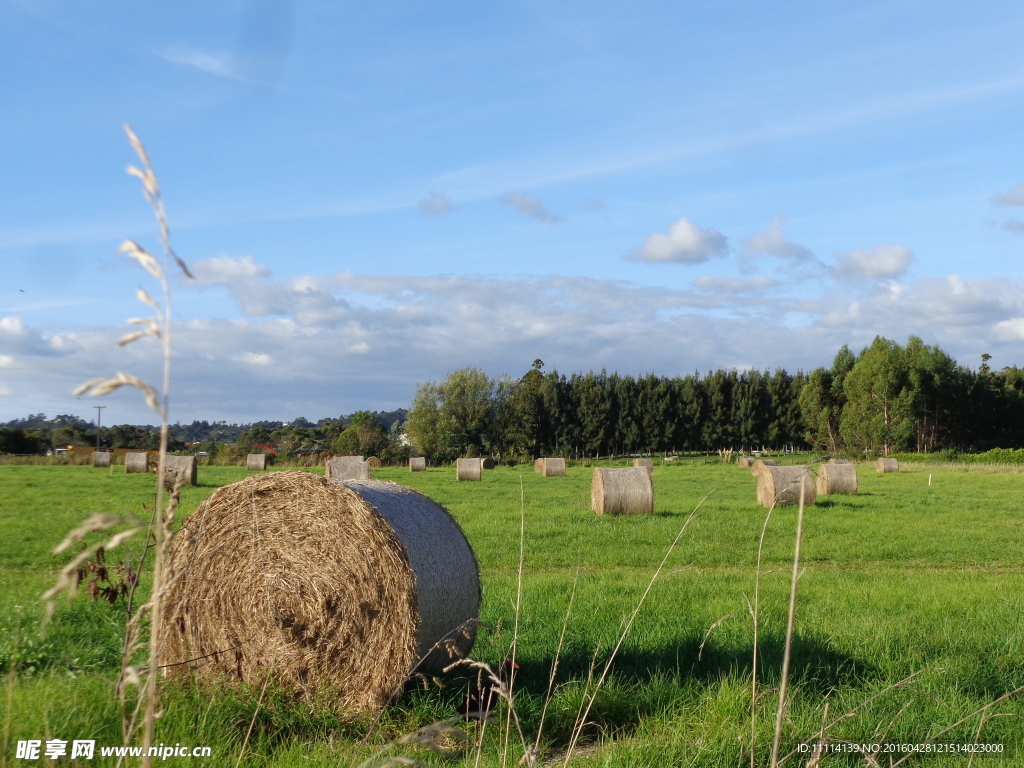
(418, 464)
(760, 465)
(553, 468)
(487, 463)
(327, 588)
(183, 466)
(781, 486)
(887, 465)
(468, 469)
(625, 491)
(374, 462)
(256, 462)
(341, 469)
(647, 464)
(101, 459)
(135, 462)
(745, 461)
(836, 478)
(538, 465)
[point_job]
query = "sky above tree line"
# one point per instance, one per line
(373, 195)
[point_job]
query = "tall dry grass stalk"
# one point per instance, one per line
(158, 326)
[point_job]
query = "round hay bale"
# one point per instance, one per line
(468, 469)
(256, 462)
(487, 463)
(887, 465)
(418, 464)
(340, 470)
(136, 462)
(554, 467)
(101, 458)
(760, 465)
(538, 465)
(745, 461)
(780, 486)
(647, 464)
(183, 466)
(374, 462)
(625, 491)
(327, 588)
(836, 478)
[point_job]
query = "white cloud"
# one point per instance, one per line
(773, 241)
(531, 206)
(219, 64)
(1009, 330)
(435, 205)
(882, 261)
(733, 284)
(254, 358)
(685, 243)
(1014, 196)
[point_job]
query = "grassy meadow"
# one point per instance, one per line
(906, 578)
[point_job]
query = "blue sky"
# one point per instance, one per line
(372, 195)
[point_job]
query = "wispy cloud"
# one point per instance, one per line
(773, 242)
(1013, 196)
(882, 261)
(685, 243)
(435, 205)
(531, 206)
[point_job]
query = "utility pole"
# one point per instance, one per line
(99, 412)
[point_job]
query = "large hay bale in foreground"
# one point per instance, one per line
(101, 459)
(625, 491)
(760, 465)
(836, 478)
(256, 462)
(887, 465)
(553, 467)
(341, 469)
(418, 464)
(136, 462)
(745, 461)
(538, 465)
(487, 463)
(374, 462)
(182, 466)
(468, 469)
(647, 464)
(779, 486)
(334, 590)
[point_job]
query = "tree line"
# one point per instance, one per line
(886, 399)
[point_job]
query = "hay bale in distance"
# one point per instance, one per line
(760, 465)
(340, 470)
(468, 469)
(374, 462)
(538, 465)
(554, 467)
(136, 462)
(184, 467)
(625, 491)
(338, 590)
(647, 464)
(781, 485)
(418, 464)
(745, 461)
(887, 465)
(101, 459)
(836, 478)
(487, 463)
(256, 462)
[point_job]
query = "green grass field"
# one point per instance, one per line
(903, 578)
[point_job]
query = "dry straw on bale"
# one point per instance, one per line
(468, 469)
(341, 469)
(256, 462)
(334, 590)
(538, 465)
(745, 461)
(781, 485)
(182, 466)
(626, 491)
(101, 458)
(837, 478)
(553, 468)
(374, 462)
(761, 465)
(136, 462)
(418, 464)
(887, 465)
(487, 463)
(647, 464)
